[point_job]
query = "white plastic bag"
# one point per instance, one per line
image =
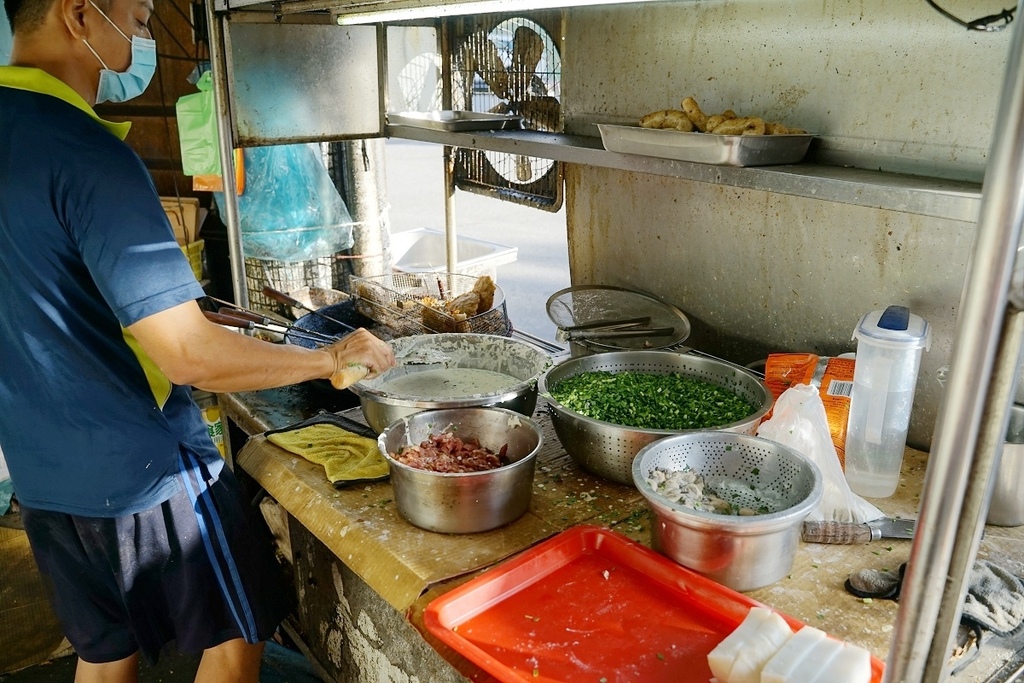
(798, 421)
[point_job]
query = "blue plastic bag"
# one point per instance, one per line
(290, 210)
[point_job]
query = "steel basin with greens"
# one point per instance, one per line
(606, 447)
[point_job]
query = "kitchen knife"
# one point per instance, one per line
(847, 532)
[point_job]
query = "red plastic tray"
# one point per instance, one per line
(591, 605)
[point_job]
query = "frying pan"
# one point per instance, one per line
(344, 311)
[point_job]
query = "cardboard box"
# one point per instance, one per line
(30, 633)
(194, 252)
(183, 213)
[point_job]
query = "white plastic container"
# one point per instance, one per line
(423, 250)
(889, 346)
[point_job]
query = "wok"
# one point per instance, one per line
(344, 311)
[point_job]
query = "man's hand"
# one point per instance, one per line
(359, 355)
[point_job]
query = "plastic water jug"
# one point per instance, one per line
(889, 346)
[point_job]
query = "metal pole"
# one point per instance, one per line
(222, 101)
(366, 192)
(979, 492)
(918, 632)
(450, 230)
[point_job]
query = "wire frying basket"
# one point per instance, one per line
(427, 303)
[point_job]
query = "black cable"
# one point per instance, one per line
(186, 17)
(986, 23)
(170, 33)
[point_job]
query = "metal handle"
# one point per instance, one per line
(628, 333)
(609, 324)
(839, 532)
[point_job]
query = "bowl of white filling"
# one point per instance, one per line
(438, 371)
(729, 506)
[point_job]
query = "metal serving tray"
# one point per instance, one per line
(705, 148)
(454, 121)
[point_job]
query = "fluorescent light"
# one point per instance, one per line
(382, 15)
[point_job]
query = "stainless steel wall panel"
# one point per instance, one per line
(760, 272)
(886, 85)
(298, 82)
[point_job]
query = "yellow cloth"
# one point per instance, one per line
(345, 456)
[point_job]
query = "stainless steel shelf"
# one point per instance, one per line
(951, 199)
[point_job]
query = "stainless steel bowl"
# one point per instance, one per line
(608, 449)
(468, 502)
(741, 552)
(523, 362)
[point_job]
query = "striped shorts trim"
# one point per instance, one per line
(198, 569)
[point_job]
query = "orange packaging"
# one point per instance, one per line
(832, 376)
(214, 183)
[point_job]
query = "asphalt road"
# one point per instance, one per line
(415, 181)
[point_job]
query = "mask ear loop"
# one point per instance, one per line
(109, 21)
(94, 54)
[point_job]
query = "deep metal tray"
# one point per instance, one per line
(454, 121)
(705, 148)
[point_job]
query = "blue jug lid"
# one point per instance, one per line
(895, 325)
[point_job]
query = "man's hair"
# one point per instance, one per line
(26, 16)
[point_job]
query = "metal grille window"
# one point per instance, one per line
(509, 65)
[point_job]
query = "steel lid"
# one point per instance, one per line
(597, 316)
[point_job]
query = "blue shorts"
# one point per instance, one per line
(198, 569)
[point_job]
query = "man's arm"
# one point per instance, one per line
(191, 350)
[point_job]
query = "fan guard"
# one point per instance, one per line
(509, 65)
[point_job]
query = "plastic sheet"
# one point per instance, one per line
(197, 130)
(290, 210)
(798, 421)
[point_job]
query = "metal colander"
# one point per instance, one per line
(742, 552)
(608, 449)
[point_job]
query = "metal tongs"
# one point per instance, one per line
(625, 328)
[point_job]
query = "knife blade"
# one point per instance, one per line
(848, 532)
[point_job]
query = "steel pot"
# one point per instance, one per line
(522, 362)
(469, 502)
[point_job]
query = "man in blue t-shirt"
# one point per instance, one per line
(139, 531)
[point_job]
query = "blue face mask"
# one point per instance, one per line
(118, 86)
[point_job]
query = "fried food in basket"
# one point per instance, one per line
(465, 304)
(484, 287)
(726, 123)
(418, 308)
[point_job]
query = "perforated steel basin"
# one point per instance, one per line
(742, 552)
(607, 449)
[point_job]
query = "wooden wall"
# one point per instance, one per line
(154, 133)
